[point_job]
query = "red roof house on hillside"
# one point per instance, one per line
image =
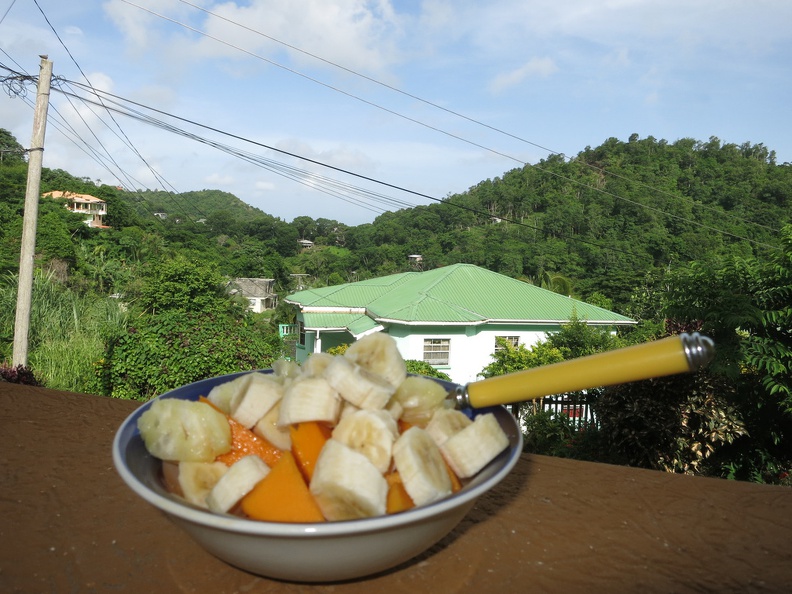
(93, 208)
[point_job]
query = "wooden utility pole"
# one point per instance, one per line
(32, 195)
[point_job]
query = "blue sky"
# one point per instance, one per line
(432, 96)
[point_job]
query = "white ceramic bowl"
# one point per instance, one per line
(321, 552)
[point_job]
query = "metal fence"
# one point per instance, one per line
(576, 406)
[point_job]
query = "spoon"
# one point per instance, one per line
(680, 353)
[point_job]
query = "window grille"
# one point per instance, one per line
(512, 341)
(436, 350)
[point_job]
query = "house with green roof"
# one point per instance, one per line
(448, 317)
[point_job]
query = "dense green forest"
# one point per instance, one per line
(678, 235)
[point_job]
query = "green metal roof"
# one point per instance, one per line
(458, 294)
(356, 323)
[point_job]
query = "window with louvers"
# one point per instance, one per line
(436, 350)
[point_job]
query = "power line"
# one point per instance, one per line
(444, 132)
(426, 196)
(5, 14)
(373, 180)
(125, 138)
(338, 169)
(432, 104)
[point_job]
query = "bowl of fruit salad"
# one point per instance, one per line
(336, 469)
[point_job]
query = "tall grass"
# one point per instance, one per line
(65, 340)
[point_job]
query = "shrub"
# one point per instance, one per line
(675, 424)
(547, 433)
(18, 374)
(423, 368)
(177, 348)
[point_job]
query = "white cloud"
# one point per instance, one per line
(361, 35)
(218, 179)
(535, 67)
(264, 186)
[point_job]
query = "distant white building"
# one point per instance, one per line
(94, 209)
(260, 292)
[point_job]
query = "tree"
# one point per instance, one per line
(178, 347)
(185, 285)
(11, 152)
(508, 359)
(190, 329)
(739, 419)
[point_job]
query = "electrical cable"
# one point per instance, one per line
(95, 91)
(435, 106)
(426, 196)
(126, 139)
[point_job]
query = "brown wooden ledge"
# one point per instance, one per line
(69, 524)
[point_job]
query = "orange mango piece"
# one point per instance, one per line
(403, 425)
(282, 496)
(244, 443)
(398, 498)
(307, 440)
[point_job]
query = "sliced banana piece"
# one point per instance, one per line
(394, 408)
(370, 432)
(197, 479)
(420, 397)
(347, 408)
(268, 428)
(309, 399)
(446, 422)
(260, 394)
(421, 467)
(184, 431)
(346, 485)
(238, 481)
(357, 385)
(284, 370)
(222, 394)
(475, 446)
(315, 364)
(379, 354)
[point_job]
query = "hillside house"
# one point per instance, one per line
(448, 317)
(259, 292)
(92, 208)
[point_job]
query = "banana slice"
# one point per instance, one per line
(446, 422)
(357, 385)
(268, 428)
(370, 432)
(184, 431)
(309, 399)
(260, 394)
(222, 394)
(238, 481)
(475, 446)
(346, 485)
(394, 408)
(285, 369)
(421, 466)
(315, 364)
(379, 354)
(347, 408)
(197, 479)
(420, 397)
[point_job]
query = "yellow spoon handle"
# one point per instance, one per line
(668, 356)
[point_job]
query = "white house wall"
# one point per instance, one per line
(470, 350)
